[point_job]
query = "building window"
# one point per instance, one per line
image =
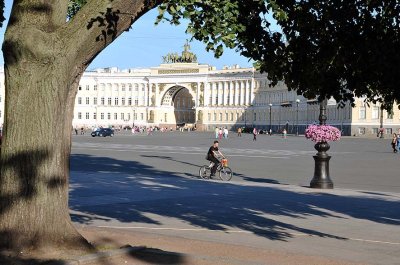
(87, 115)
(210, 101)
(87, 87)
(388, 131)
(95, 87)
(215, 116)
(80, 88)
(136, 101)
(375, 112)
(255, 116)
(109, 116)
(135, 116)
(362, 113)
(141, 116)
(102, 116)
(129, 116)
(361, 130)
(116, 87)
(389, 115)
(129, 101)
(216, 100)
(123, 87)
(209, 116)
(116, 101)
(79, 115)
(237, 116)
(130, 87)
(102, 101)
(123, 101)
(122, 116)
(226, 116)
(109, 101)
(87, 101)
(103, 87)
(165, 117)
(94, 116)
(220, 117)
(136, 87)
(115, 116)
(94, 101)
(79, 101)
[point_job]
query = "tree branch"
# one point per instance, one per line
(98, 24)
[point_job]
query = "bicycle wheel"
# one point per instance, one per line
(225, 173)
(204, 172)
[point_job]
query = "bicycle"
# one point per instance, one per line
(224, 172)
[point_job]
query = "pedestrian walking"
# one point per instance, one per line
(216, 132)
(284, 133)
(220, 133)
(398, 143)
(239, 131)
(254, 134)
(226, 132)
(394, 143)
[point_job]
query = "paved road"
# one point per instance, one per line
(362, 164)
(150, 184)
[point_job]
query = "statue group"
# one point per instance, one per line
(186, 57)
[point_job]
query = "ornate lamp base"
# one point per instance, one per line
(321, 179)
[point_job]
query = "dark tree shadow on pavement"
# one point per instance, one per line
(133, 190)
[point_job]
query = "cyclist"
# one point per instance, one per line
(212, 154)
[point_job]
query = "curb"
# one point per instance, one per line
(102, 255)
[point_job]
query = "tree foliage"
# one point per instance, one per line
(325, 48)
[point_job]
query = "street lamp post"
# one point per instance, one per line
(297, 116)
(381, 123)
(270, 117)
(321, 179)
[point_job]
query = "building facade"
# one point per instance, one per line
(178, 93)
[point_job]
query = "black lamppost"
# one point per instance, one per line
(381, 123)
(270, 117)
(297, 116)
(321, 179)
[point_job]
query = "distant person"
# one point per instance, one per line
(220, 133)
(394, 143)
(270, 132)
(398, 143)
(255, 134)
(239, 131)
(216, 132)
(284, 133)
(226, 132)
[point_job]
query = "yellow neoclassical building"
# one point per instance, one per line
(182, 91)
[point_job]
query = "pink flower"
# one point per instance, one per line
(322, 133)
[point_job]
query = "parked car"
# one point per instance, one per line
(103, 132)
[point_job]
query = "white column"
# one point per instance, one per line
(231, 93)
(156, 95)
(236, 93)
(252, 92)
(221, 93)
(212, 93)
(242, 93)
(226, 93)
(248, 88)
(197, 103)
(206, 94)
(245, 96)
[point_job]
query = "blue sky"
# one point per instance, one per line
(145, 44)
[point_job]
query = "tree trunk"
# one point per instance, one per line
(35, 153)
(44, 59)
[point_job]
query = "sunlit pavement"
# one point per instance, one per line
(150, 183)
